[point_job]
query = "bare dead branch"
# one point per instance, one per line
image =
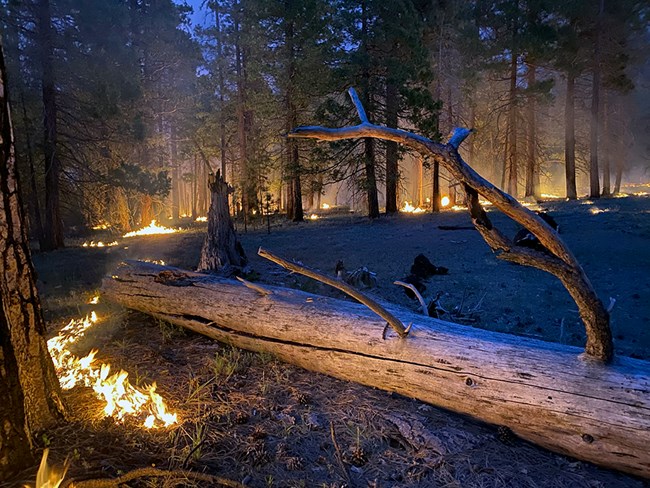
(373, 305)
(416, 292)
(459, 135)
(152, 473)
(357, 103)
(259, 289)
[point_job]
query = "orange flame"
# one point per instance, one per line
(120, 396)
(99, 244)
(408, 208)
(48, 477)
(151, 229)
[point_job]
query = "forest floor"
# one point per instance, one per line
(250, 418)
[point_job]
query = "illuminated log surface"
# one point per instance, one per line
(546, 393)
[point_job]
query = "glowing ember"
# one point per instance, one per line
(444, 201)
(100, 227)
(48, 477)
(458, 208)
(201, 219)
(154, 261)
(325, 206)
(408, 208)
(94, 300)
(550, 195)
(120, 396)
(596, 210)
(313, 217)
(151, 229)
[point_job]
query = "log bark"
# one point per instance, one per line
(544, 392)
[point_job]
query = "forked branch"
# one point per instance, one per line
(559, 260)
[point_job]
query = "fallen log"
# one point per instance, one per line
(547, 393)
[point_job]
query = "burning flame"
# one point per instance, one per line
(120, 396)
(313, 217)
(444, 201)
(408, 208)
(596, 210)
(100, 227)
(201, 219)
(458, 208)
(99, 244)
(151, 229)
(48, 477)
(325, 206)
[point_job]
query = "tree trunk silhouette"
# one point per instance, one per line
(570, 137)
(29, 387)
(594, 175)
(532, 166)
(392, 165)
(294, 205)
(607, 170)
(512, 128)
(222, 251)
(53, 228)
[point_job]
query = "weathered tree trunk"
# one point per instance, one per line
(221, 250)
(53, 229)
(392, 165)
(570, 138)
(29, 388)
(545, 392)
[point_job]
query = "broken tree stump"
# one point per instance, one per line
(550, 394)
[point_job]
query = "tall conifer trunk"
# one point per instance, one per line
(392, 157)
(532, 166)
(370, 162)
(570, 138)
(294, 207)
(594, 183)
(240, 67)
(606, 142)
(29, 387)
(512, 129)
(53, 228)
